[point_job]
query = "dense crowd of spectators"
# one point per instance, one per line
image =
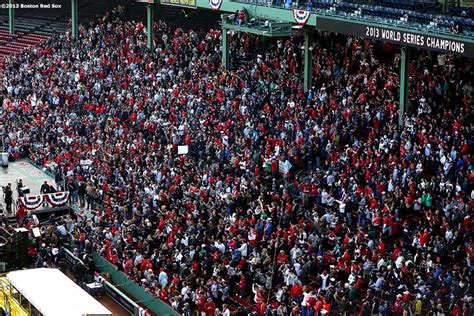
(287, 203)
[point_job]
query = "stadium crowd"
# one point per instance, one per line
(287, 203)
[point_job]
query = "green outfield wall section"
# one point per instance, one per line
(122, 281)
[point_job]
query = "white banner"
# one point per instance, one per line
(183, 150)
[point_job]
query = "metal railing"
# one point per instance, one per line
(257, 26)
(390, 16)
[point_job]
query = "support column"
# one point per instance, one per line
(443, 6)
(404, 83)
(11, 16)
(308, 63)
(75, 29)
(150, 22)
(225, 49)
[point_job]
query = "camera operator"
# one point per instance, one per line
(8, 197)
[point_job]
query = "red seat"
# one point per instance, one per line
(15, 44)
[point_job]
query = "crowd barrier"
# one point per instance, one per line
(137, 292)
(154, 304)
(109, 289)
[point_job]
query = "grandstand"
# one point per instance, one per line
(240, 157)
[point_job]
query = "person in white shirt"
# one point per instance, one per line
(185, 240)
(379, 283)
(449, 234)
(330, 200)
(244, 249)
(219, 245)
(185, 292)
(225, 310)
(330, 180)
(324, 195)
(138, 259)
(324, 280)
(342, 206)
(252, 235)
(306, 295)
(381, 263)
(297, 267)
(163, 278)
(399, 261)
(295, 252)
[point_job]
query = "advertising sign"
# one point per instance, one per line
(180, 3)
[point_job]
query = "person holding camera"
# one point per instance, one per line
(8, 197)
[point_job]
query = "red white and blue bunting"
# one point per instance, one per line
(215, 4)
(58, 198)
(301, 16)
(32, 202)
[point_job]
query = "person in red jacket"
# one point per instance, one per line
(425, 238)
(296, 291)
(210, 307)
(282, 258)
(242, 286)
(397, 307)
(20, 215)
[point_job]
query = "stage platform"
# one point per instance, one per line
(31, 175)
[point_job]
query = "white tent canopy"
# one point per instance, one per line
(54, 294)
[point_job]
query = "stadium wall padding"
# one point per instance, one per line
(122, 281)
